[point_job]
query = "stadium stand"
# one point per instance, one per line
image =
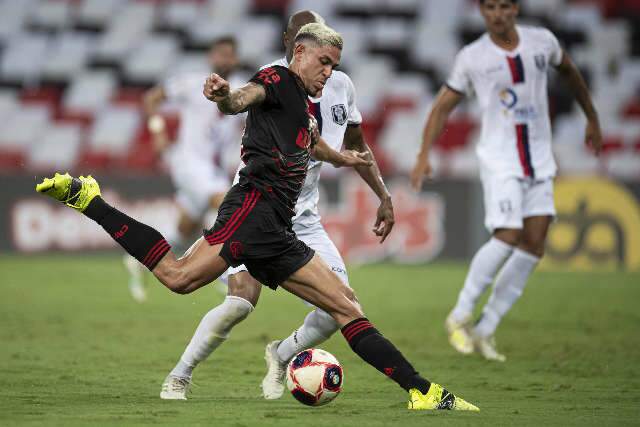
(72, 73)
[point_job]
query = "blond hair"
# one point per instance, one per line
(320, 34)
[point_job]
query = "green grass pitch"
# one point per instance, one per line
(76, 350)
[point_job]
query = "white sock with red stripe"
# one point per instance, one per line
(213, 330)
(484, 267)
(509, 287)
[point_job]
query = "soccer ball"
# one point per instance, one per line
(314, 377)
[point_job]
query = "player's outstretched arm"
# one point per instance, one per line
(444, 104)
(354, 140)
(346, 158)
(235, 101)
(593, 134)
(151, 102)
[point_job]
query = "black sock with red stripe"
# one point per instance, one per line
(379, 352)
(144, 243)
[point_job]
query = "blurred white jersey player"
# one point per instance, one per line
(203, 136)
(506, 69)
(338, 121)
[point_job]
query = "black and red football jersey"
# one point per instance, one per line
(276, 143)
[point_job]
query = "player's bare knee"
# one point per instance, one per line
(511, 237)
(243, 285)
(176, 280)
(533, 246)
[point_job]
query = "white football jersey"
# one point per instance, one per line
(511, 87)
(334, 110)
(204, 131)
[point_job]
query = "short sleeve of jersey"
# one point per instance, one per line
(354, 116)
(459, 79)
(555, 53)
(275, 81)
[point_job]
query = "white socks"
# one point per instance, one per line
(318, 326)
(508, 288)
(483, 269)
(214, 328)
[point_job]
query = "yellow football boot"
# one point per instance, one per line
(76, 193)
(438, 398)
(459, 335)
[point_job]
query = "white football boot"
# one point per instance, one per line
(486, 346)
(136, 278)
(175, 388)
(273, 381)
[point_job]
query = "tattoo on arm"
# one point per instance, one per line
(239, 100)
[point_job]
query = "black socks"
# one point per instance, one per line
(141, 241)
(379, 352)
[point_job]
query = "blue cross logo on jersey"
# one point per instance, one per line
(339, 113)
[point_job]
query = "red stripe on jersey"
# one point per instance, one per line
(517, 68)
(522, 136)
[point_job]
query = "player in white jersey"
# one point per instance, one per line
(338, 121)
(506, 69)
(203, 134)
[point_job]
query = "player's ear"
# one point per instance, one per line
(299, 49)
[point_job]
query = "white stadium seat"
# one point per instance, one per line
(13, 15)
(113, 130)
(152, 58)
(57, 148)
(97, 12)
(89, 92)
(50, 14)
(180, 15)
(400, 139)
(24, 58)
(68, 55)
(390, 33)
(23, 126)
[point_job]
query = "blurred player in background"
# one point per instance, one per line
(506, 68)
(204, 132)
(338, 120)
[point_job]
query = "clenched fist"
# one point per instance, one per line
(216, 88)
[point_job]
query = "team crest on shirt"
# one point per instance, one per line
(339, 113)
(541, 62)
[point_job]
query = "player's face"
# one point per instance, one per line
(223, 59)
(316, 65)
(499, 15)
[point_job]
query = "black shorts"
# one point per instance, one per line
(255, 235)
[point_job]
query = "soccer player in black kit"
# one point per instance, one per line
(254, 221)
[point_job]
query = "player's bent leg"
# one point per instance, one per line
(318, 285)
(318, 327)
(510, 285)
(534, 234)
(213, 330)
(482, 271)
(198, 267)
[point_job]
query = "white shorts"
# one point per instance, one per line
(317, 239)
(195, 184)
(508, 200)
